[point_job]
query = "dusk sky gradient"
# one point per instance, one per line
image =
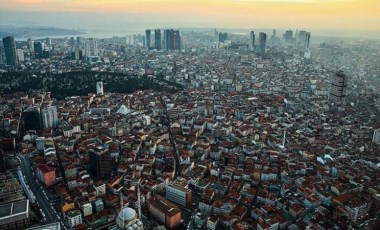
(309, 14)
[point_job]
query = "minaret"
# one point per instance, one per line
(121, 200)
(138, 198)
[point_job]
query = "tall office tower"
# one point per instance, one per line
(79, 40)
(301, 39)
(168, 39)
(38, 50)
(223, 37)
(48, 41)
(262, 42)
(252, 41)
(30, 44)
(32, 118)
(10, 50)
(147, 39)
(307, 40)
(338, 87)
(94, 47)
(72, 43)
(172, 40)
(99, 88)
(87, 49)
(157, 39)
(176, 40)
(288, 36)
(20, 55)
(49, 117)
(274, 33)
(101, 163)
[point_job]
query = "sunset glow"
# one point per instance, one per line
(343, 14)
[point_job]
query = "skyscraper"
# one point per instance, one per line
(101, 163)
(147, 39)
(10, 50)
(252, 41)
(38, 50)
(288, 36)
(338, 87)
(262, 42)
(172, 40)
(307, 40)
(94, 46)
(49, 117)
(157, 39)
(30, 44)
(301, 39)
(223, 37)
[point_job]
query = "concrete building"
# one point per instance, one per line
(74, 218)
(46, 174)
(99, 88)
(10, 50)
(49, 117)
(164, 211)
(15, 215)
(338, 87)
(178, 194)
(87, 209)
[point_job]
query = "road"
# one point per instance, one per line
(41, 199)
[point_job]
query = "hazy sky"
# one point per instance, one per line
(307, 14)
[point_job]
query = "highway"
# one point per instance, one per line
(41, 199)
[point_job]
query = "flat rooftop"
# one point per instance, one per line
(13, 209)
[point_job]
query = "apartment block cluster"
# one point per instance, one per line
(253, 141)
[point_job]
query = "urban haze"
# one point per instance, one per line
(206, 115)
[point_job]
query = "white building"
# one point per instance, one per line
(99, 88)
(178, 194)
(87, 209)
(49, 117)
(376, 137)
(100, 189)
(74, 218)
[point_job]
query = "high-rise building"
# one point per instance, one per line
(301, 39)
(38, 50)
(99, 87)
(252, 41)
(101, 163)
(147, 39)
(32, 118)
(172, 40)
(223, 37)
(338, 87)
(49, 117)
(10, 50)
(157, 39)
(74, 217)
(307, 40)
(30, 44)
(20, 55)
(94, 47)
(262, 42)
(288, 36)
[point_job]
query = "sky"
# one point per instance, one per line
(362, 15)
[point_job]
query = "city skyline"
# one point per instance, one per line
(135, 15)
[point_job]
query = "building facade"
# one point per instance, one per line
(10, 50)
